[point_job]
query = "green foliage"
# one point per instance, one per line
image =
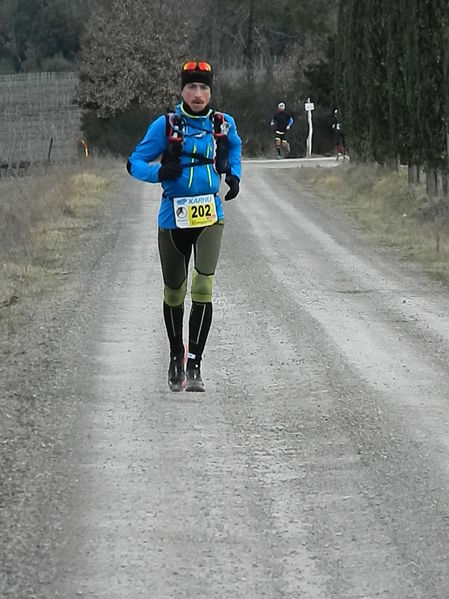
(57, 63)
(392, 74)
(7, 66)
(119, 134)
(319, 79)
(252, 111)
(377, 98)
(33, 30)
(430, 102)
(399, 114)
(355, 83)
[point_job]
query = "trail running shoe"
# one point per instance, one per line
(176, 373)
(194, 380)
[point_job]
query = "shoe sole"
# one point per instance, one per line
(177, 386)
(195, 386)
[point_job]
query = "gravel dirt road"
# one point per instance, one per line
(315, 466)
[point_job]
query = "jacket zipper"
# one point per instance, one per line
(208, 166)
(192, 160)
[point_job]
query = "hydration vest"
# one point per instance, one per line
(174, 129)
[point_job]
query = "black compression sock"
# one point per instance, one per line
(199, 326)
(173, 317)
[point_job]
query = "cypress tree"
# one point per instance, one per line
(354, 78)
(399, 115)
(430, 103)
(445, 28)
(410, 68)
(377, 98)
(340, 49)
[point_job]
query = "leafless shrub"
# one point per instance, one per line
(436, 213)
(38, 214)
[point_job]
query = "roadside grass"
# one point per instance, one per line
(42, 218)
(387, 209)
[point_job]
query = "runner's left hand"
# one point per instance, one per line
(234, 187)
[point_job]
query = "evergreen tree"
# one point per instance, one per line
(430, 101)
(445, 36)
(377, 96)
(33, 30)
(354, 80)
(340, 48)
(399, 114)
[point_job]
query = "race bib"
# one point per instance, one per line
(195, 211)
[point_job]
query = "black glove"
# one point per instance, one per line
(234, 187)
(170, 171)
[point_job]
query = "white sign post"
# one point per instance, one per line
(309, 106)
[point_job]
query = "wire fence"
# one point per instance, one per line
(39, 123)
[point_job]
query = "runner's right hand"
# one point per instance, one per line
(169, 171)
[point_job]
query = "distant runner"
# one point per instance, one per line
(198, 145)
(339, 136)
(281, 121)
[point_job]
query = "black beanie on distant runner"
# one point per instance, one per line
(196, 76)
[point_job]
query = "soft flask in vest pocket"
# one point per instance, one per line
(221, 128)
(174, 126)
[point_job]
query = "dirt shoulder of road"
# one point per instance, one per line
(48, 288)
(42, 333)
(58, 252)
(386, 210)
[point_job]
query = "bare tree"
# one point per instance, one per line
(8, 35)
(128, 60)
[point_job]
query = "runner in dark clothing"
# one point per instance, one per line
(281, 121)
(339, 136)
(197, 145)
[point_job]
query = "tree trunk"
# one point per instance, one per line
(413, 174)
(393, 163)
(444, 185)
(249, 50)
(432, 182)
(214, 33)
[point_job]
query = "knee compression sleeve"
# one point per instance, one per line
(173, 317)
(201, 287)
(175, 297)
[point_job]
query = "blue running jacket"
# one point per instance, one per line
(194, 180)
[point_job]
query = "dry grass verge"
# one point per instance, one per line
(387, 209)
(42, 217)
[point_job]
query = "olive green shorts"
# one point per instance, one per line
(175, 250)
